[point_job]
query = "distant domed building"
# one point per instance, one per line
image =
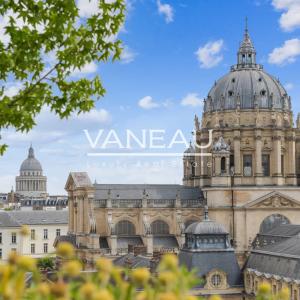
(31, 182)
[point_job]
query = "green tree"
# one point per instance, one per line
(38, 29)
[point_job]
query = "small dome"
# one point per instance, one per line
(190, 149)
(31, 163)
(206, 227)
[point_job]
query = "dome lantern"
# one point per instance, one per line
(246, 53)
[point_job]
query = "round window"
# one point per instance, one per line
(216, 280)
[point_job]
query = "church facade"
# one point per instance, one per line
(248, 177)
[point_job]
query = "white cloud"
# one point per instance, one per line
(127, 55)
(286, 53)
(95, 115)
(289, 86)
(147, 103)
(290, 18)
(209, 55)
(191, 99)
(166, 10)
(86, 69)
(87, 8)
(12, 88)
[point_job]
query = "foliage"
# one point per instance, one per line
(44, 43)
(107, 283)
(46, 263)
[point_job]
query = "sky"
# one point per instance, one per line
(173, 53)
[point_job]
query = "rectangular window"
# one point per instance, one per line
(57, 232)
(0, 253)
(13, 238)
(32, 248)
(247, 164)
(32, 234)
(45, 248)
(0, 237)
(265, 164)
(282, 165)
(45, 234)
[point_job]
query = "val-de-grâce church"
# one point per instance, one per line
(250, 184)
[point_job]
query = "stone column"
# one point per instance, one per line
(258, 157)
(71, 214)
(149, 240)
(291, 177)
(237, 156)
(217, 166)
(276, 159)
(113, 245)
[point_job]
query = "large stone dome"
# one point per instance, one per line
(31, 163)
(247, 85)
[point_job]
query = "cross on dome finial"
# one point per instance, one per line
(30, 152)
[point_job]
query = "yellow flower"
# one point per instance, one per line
(87, 290)
(140, 276)
(27, 263)
(284, 294)
(190, 297)
(167, 296)
(141, 296)
(215, 297)
(166, 278)
(72, 268)
(103, 295)
(13, 257)
(24, 231)
(58, 289)
(43, 289)
(264, 288)
(4, 270)
(169, 261)
(104, 265)
(65, 250)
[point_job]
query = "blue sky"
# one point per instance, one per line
(174, 51)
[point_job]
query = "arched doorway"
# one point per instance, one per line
(272, 222)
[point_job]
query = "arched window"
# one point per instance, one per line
(159, 227)
(216, 280)
(272, 222)
(125, 228)
(223, 165)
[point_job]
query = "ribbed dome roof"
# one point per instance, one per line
(31, 163)
(247, 85)
(206, 227)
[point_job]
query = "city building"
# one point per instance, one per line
(248, 176)
(44, 227)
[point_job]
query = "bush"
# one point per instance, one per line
(107, 283)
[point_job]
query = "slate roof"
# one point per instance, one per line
(165, 241)
(287, 230)
(135, 261)
(282, 258)
(36, 217)
(205, 261)
(154, 191)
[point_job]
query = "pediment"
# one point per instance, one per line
(78, 180)
(273, 200)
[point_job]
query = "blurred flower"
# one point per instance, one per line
(103, 295)
(169, 262)
(43, 289)
(88, 290)
(167, 296)
(167, 278)
(104, 265)
(140, 276)
(58, 289)
(65, 250)
(24, 231)
(284, 294)
(215, 297)
(72, 268)
(264, 288)
(26, 263)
